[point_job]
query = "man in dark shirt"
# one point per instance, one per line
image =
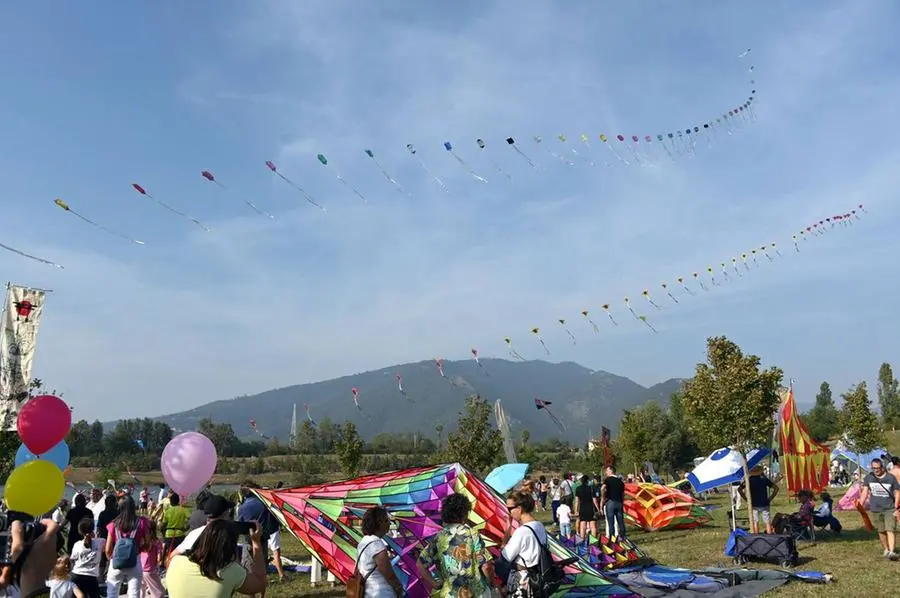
(612, 501)
(760, 499)
(253, 509)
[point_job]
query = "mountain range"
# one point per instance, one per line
(583, 399)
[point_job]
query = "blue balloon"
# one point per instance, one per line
(58, 455)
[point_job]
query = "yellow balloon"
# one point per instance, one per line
(34, 487)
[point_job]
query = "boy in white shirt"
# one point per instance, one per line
(564, 516)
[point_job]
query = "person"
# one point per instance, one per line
(253, 509)
(612, 503)
(760, 499)
(59, 583)
(163, 493)
(74, 517)
(144, 497)
(555, 496)
(215, 508)
(175, 523)
(457, 554)
(804, 515)
(567, 488)
(151, 560)
(212, 570)
(543, 490)
(274, 546)
(86, 558)
(586, 508)
(97, 503)
(110, 511)
(521, 548)
(198, 515)
(373, 561)
(882, 491)
(824, 515)
(126, 526)
(563, 514)
(59, 513)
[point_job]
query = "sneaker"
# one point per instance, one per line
(886, 553)
(893, 556)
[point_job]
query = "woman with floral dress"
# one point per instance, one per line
(460, 561)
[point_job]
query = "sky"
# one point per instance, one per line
(102, 95)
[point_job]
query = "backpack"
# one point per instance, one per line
(356, 584)
(125, 552)
(546, 577)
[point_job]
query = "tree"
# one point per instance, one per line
(730, 400)
(648, 433)
(888, 396)
(349, 449)
(859, 422)
(475, 443)
(822, 419)
(221, 435)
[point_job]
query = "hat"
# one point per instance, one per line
(216, 506)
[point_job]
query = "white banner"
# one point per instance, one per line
(21, 318)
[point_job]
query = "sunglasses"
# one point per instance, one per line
(512, 508)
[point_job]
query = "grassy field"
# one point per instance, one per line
(854, 558)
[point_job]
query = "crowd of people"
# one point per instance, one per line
(144, 548)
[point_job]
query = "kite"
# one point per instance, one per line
(712, 276)
(684, 286)
(327, 520)
(439, 364)
(637, 158)
(668, 292)
(512, 143)
(355, 392)
(628, 307)
(66, 207)
(255, 428)
(607, 553)
(29, 256)
(302, 191)
(412, 150)
(605, 307)
(212, 179)
(512, 352)
(538, 140)
(143, 192)
(309, 418)
(324, 162)
(587, 316)
(449, 147)
(537, 333)
(391, 179)
(400, 387)
(805, 460)
(562, 323)
(724, 270)
(478, 361)
(545, 405)
(649, 299)
(647, 322)
(697, 278)
(796, 247)
(481, 146)
(605, 141)
(654, 507)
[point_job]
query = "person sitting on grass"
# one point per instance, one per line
(824, 515)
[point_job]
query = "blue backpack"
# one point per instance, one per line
(125, 552)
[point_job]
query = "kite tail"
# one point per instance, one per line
(31, 257)
(305, 195)
(654, 304)
(612, 319)
(544, 346)
(559, 424)
(521, 153)
(671, 296)
(649, 325)
(390, 178)
(104, 229)
(174, 211)
(594, 325)
(431, 174)
(616, 154)
(689, 291)
(256, 209)
(571, 336)
(467, 167)
(352, 188)
(515, 355)
(636, 317)
(585, 158)
(703, 286)
(500, 170)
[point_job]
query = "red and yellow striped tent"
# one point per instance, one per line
(804, 461)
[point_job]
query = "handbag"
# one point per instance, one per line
(356, 584)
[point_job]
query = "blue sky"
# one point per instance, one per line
(106, 94)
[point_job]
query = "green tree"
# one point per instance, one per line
(475, 443)
(888, 396)
(221, 435)
(648, 433)
(859, 423)
(730, 400)
(822, 419)
(349, 448)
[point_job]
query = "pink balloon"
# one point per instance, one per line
(43, 423)
(188, 462)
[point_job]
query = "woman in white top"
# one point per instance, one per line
(522, 547)
(86, 556)
(373, 561)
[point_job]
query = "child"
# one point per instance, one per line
(86, 557)
(59, 583)
(824, 517)
(564, 516)
(151, 557)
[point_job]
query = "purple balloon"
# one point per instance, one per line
(188, 462)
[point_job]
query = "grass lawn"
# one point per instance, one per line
(854, 558)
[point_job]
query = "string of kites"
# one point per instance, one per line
(736, 267)
(640, 150)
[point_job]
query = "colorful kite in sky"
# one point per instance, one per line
(327, 520)
(309, 198)
(143, 192)
(545, 406)
(66, 207)
(29, 256)
(212, 179)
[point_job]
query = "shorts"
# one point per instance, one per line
(884, 521)
(763, 514)
(275, 541)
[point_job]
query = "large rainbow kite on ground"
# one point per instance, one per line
(327, 520)
(805, 460)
